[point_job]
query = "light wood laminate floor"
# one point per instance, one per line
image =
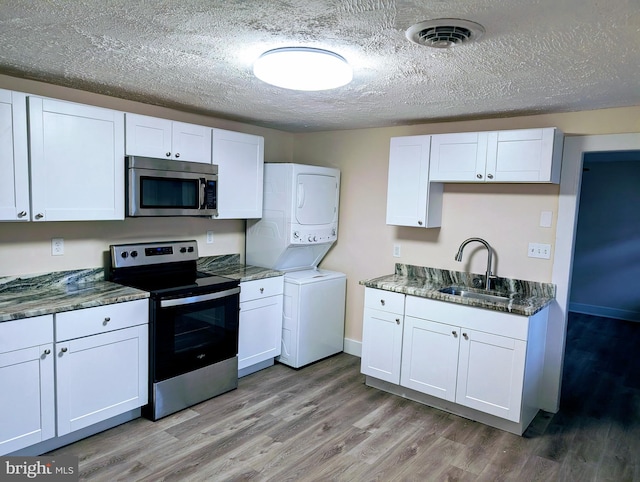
(321, 423)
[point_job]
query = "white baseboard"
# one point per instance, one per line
(353, 347)
(604, 311)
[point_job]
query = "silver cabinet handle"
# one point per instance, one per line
(420, 223)
(22, 214)
(382, 302)
(454, 333)
(64, 349)
(490, 176)
(106, 320)
(466, 337)
(479, 176)
(397, 321)
(261, 290)
(47, 352)
(168, 154)
(39, 216)
(177, 155)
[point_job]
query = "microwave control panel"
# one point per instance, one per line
(314, 235)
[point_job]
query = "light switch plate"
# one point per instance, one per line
(396, 250)
(545, 219)
(209, 237)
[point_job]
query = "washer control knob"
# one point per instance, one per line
(183, 250)
(134, 254)
(124, 255)
(296, 235)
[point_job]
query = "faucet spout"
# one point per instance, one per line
(489, 257)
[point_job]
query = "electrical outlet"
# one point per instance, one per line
(209, 237)
(57, 246)
(539, 250)
(396, 250)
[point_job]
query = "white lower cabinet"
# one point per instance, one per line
(102, 372)
(382, 334)
(27, 405)
(260, 331)
(471, 358)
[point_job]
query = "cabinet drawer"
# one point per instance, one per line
(101, 319)
(25, 333)
(384, 300)
(261, 288)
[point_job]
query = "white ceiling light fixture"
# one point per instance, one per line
(303, 68)
(443, 33)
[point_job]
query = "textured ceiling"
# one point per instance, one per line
(536, 56)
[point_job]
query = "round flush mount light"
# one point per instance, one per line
(303, 68)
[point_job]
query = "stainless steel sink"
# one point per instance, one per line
(484, 295)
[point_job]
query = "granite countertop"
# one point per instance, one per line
(34, 295)
(526, 297)
(43, 294)
(229, 265)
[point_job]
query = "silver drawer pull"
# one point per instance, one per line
(47, 352)
(466, 337)
(261, 290)
(397, 321)
(64, 349)
(454, 333)
(106, 320)
(382, 302)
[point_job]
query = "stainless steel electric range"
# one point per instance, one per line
(193, 323)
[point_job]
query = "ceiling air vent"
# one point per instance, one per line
(443, 33)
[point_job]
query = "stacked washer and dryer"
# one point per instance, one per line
(299, 224)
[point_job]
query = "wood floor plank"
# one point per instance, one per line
(322, 423)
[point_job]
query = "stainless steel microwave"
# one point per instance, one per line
(164, 187)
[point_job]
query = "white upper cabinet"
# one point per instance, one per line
(162, 138)
(77, 161)
(523, 155)
(411, 199)
(458, 157)
(14, 161)
(240, 161)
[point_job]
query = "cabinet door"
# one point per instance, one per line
(525, 155)
(101, 376)
(408, 181)
(458, 157)
(430, 357)
(27, 401)
(77, 161)
(148, 136)
(491, 373)
(14, 161)
(240, 161)
(382, 345)
(260, 332)
(191, 142)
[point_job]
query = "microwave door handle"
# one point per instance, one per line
(203, 188)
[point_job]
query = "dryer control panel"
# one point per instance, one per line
(305, 235)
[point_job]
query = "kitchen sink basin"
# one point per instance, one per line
(472, 293)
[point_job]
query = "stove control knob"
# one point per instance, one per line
(310, 239)
(125, 255)
(296, 235)
(134, 254)
(190, 249)
(183, 250)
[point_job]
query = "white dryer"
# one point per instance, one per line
(298, 227)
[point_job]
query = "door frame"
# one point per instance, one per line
(574, 150)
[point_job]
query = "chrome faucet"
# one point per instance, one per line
(489, 257)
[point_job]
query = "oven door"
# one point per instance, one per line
(192, 332)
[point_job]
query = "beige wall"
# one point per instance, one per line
(507, 216)
(26, 247)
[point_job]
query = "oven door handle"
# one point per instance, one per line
(197, 299)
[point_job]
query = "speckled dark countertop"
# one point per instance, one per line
(526, 297)
(34, 295)
(229, 265)
(25, 296)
